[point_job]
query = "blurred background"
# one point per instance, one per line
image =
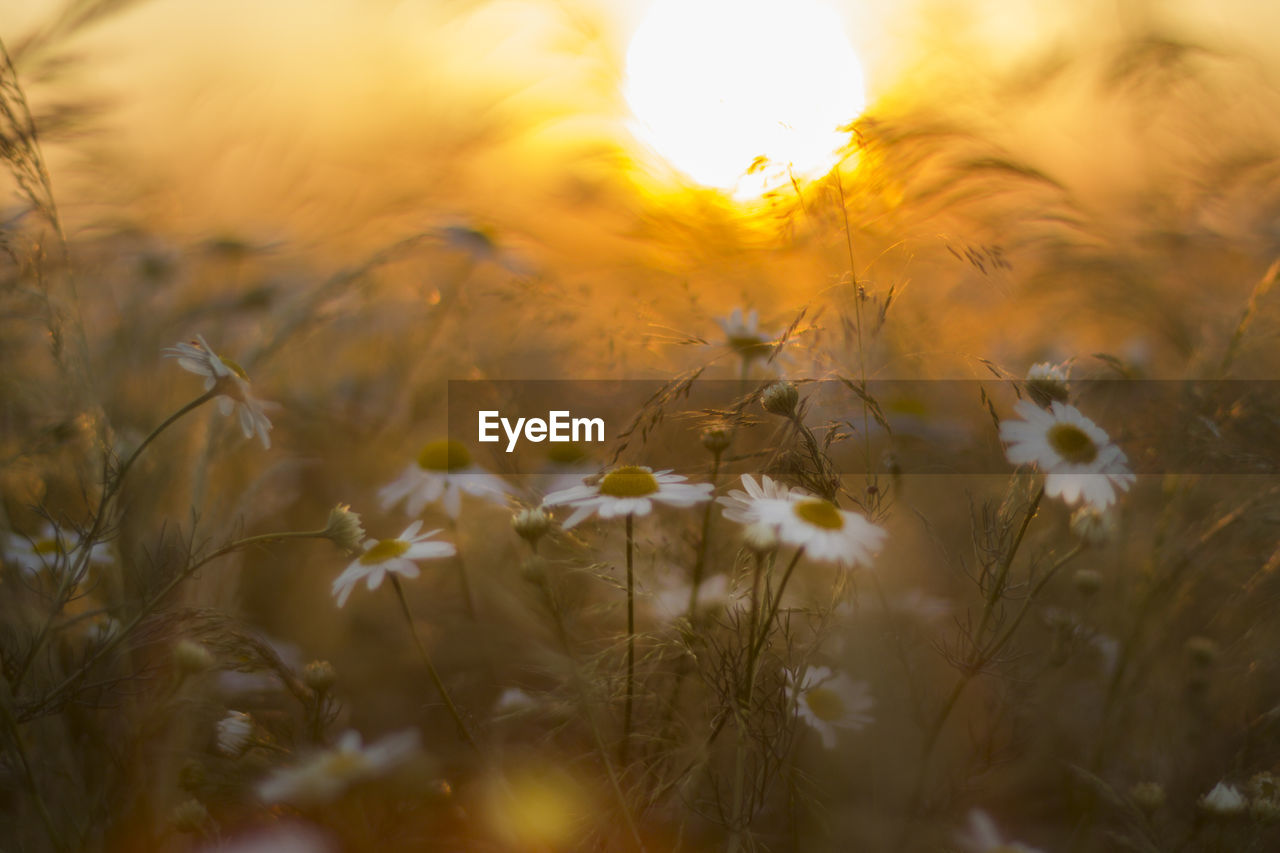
(359, 201)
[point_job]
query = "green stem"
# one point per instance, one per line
(700, 561)
(739, 821)
(765, 626)
(631, 641)
(28, 776)
(72, 681)
(579, 683)
(1002, 573)
(111, 487)
(431, 669)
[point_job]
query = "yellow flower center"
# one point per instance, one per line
(819, 513)
(386, 549)
(235, 368)
(566, 453)
(345, 764)
(628, 481)
(47, 546)
(1072, 444)
(750, 346)
(825, 703)
(444, 455)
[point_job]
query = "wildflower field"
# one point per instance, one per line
(410, 441)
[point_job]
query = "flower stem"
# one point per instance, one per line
(463, 731)
(700, 562)
(111, 486)
(631, 639)
(739, 820)
(765, 626)
(72, 681)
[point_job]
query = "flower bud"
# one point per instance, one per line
(192, 658)
(1047, 383)
(319, 675)
(344, 529)
(1264, 809)
(1148, 796)
(1094, 526)
(780, 398)
(716, 438)
(531, 524)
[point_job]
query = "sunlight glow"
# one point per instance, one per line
(716, 85)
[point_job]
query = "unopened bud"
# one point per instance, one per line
(1047, 383)
(191, 658)
(1148, 796)
(716, 438)
(319, 675)
(780, 398)
(531, 524)
(344, 529)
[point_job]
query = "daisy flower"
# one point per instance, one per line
(442, 472)
(231, 382)
(397, 556)
(744, 337)
(826, 533)
(628, 490)
(328, 774)
(49, 550)
(1077, 457)
(827, 701)
(984, 837)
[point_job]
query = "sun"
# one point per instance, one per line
(743, 94)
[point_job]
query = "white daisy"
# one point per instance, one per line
(1077, 457)
(328, 774)
(49, 550)
(234, 731)
(442, 472)
(231, 382)
(744, 337)
(390, 555)
(826, 532)
(827, 701)
(628, 490)
(984, 837)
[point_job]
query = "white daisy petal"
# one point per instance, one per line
(1077, 457)
(441, 473)
(627, 490)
